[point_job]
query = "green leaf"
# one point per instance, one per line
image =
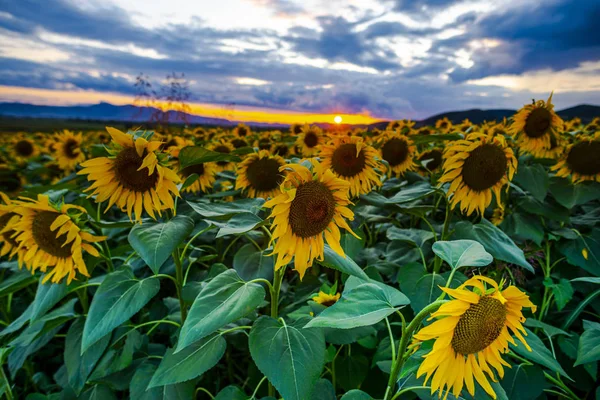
(416, 237)
(343, 264)
(223, 300)
(572, 249)
(356, 394)
(589, 279)
(189, 363)
(524, 382)
(323, 390)
(80, 366)
(570, 195)
(155, 241)
(217, 210)
(118, 298)
(231, 392)
(192, 155)
(426, 290)
(539, 354)
(46, 297)
(563, 291)
(495, 242)
(138, 387)
(99, 392)
(351, 371)
(523, 227)
(240, 223)
(16, 282)
(250, 263)
(291, 358)
(351, 245)
(580, 307)
(412, 193)
(462, 253)
(548, 329)
(363, 305)
(534, 179)
(589, 343)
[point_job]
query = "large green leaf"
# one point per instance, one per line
(573, 250)
(522, 227)
(231, 392)
(343, 264)
(534, 179)
(155, 241)
(351, 371)
(139, 390)
(192, 155)
(589, 343)
(426, 290)
(495, 242)
(79, 366)
(46, 297)
(363, 305)
(240, 223)
(462, 253)
(118, 298)
(16, 281)
(219, 210)
(98, 392)
(223, 300)
(252, 264)
(570, 195)
(562, 291)
(356, 394)
(539, 354)
(416, 237)
(524, 382)
(411, 193)
(291, 358)
(189, 363)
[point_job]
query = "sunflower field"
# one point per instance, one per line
(455, 261)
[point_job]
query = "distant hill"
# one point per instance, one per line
(130, 113)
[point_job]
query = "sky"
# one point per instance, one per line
(305, 60)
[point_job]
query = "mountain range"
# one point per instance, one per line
(131, 113)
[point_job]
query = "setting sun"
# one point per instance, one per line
(337, 119)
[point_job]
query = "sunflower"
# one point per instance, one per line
(23, 149)
(400, 125)
(134, 177)
(222, 146)
(443, 125)
(558, 145)
(326, 299)
(431, 160)
(581, 160)
(312, 204)
(471, 332)
(205, 171)
(281, 149)
(52, 237)
(68, 151)
(260, 174)
(295, 129)
(593, 126)
(476, 168)
(399, 152)
(11, 182)
(498, 215)
(241, 131)
(7, 219)
(310, 140)
(170, 141)
(534, 125)
(354, 161)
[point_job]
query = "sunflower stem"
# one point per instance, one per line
(275, 289)
(179, 284)
(561, 385)
(407, 333)
(438, 261)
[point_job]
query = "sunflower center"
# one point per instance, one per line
(264, 144)
(584, 158)
(225, 150)
(126, 167)
(312, 209)
(479, 326)
(297, 130)
(71, 148)
(538, 122)
(264, 174)
(197, 169)
(24, 148)
(395, 151)
(431, 159)
(237, 143)
(485, 166)
(9, 182)
(45, 238)
(345, 162)
(242, 131)
(281, 150)
(8, 234)
(310, 139)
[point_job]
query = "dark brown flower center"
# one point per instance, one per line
(225, 150)
(24, 148)
(584, 158)
(297, 130)
(281, 150)
(479, 326)
(484, 167)
(538, 122)
(71, 148)
(45, 238)
(8, 234)
(9, 181)
(237, 143)
(311, 139)
(126, 167)
(264, 144)
(329, 303)
(197, 169)
(395, 151)
(345, 162)
(242, 131)
(263, 174)
(431, 160)
(312, 209)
